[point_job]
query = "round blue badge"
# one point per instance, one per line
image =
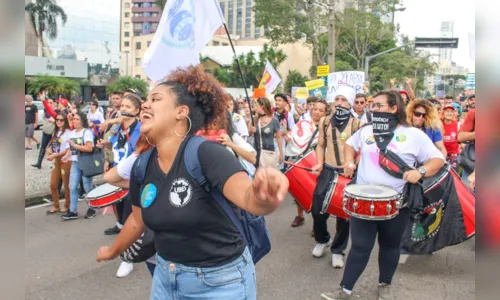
(148, 195)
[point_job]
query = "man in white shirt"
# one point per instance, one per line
(359, 110)
(239, 122)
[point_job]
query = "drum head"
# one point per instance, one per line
(103, 190)
(370, 191)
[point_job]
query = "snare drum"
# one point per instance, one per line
(333, 203)
(105, 195)
(371, 202)
(302, 182)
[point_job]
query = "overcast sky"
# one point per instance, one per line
(422, 18)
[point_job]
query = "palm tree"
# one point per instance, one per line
(43, 15)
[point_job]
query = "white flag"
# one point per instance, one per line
(186, 26)
(270, 78)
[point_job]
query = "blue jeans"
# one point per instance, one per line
(74, 180)
(465, 174)
(233, 281)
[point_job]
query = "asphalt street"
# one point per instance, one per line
(60, 264)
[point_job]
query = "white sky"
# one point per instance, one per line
(422, 18)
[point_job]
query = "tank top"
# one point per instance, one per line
(450, 137)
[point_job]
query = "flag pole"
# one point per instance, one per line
(241, 72)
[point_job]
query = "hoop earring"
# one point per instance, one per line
(147, 140)
(189, 130)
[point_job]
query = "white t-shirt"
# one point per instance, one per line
(301, 134)
(240, 125)
(240, 142)
(80, 138)
(363, 118)
(306, 116)
(409, 143)
(97, 116)
(125, 166)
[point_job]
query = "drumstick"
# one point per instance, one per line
(297, 166)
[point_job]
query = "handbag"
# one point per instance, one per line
(267, 158)
(467, 158)
(91, 163)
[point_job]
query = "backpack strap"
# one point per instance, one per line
(193, 167)
(141, 165)
(369, 116)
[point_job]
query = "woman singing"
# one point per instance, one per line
(201, 254)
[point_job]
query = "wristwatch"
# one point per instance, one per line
(421, 170)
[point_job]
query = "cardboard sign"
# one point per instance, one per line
(323, 71)
(354, 79)
(316, 88)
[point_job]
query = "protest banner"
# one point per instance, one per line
(316, 88)
(354, 79)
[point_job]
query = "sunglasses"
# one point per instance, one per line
(419, 114)
(92, 104)
(360, 102)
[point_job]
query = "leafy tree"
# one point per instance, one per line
(161, 3)
(54, 85)
(128, 82)
(43, 15)
(252, 67)
(294, 78)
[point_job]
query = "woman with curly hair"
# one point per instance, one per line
(423, 115)
(201, 254)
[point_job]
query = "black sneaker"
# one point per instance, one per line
(70, 216)
(90, 213)
(112, 231)
(36, 166)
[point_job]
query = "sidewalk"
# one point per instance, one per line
(37, 181)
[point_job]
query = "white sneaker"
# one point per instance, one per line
(320, 248)
(124, 269)
(337, 261)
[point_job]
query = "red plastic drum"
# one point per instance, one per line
(302, 182)
(335, 196)
(105, 195)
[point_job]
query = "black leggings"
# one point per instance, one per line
(363, 235)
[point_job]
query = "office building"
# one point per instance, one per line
(138, 18)
(446, 31)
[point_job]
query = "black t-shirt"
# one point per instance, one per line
(29, 113)
(190, 227)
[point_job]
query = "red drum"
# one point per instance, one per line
(333, 203)
(302, 182)
(371, 202)
(435, 189)
(105, 195)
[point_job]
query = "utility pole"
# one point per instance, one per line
(331, 35)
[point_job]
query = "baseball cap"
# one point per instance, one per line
(63, 101)
(449, 106)
(405, 93)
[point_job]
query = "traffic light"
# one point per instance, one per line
(436, 43)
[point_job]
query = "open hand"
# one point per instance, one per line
(393, 81)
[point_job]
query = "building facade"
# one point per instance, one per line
(137, 18)
(446, 31)
(240, 18)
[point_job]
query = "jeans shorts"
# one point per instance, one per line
(232, 281)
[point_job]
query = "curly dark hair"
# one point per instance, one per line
(201, 92)
(83, 118)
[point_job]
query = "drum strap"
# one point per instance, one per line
(311, 140)
(335, 145)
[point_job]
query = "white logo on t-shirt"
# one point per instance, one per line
(180, 192)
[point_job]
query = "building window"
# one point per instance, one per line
(137, 4)
(137, 33)
(230, 16)
(126, 44)
(149, 43)
(127, 5)
(239, 16)
(127, 25)
(248, 19)
(137, 26)
(137, 62)
(137, 15)
(127, 15)
(257, 32)
(216, 43)
(138, 76)
(137, 45)
(154, 14)
(223, 9)
(126, 34)
(154, 25)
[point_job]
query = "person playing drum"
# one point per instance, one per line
(391, 131)
(334, 131)
(304, 136)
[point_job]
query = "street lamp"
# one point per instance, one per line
(394, 10)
